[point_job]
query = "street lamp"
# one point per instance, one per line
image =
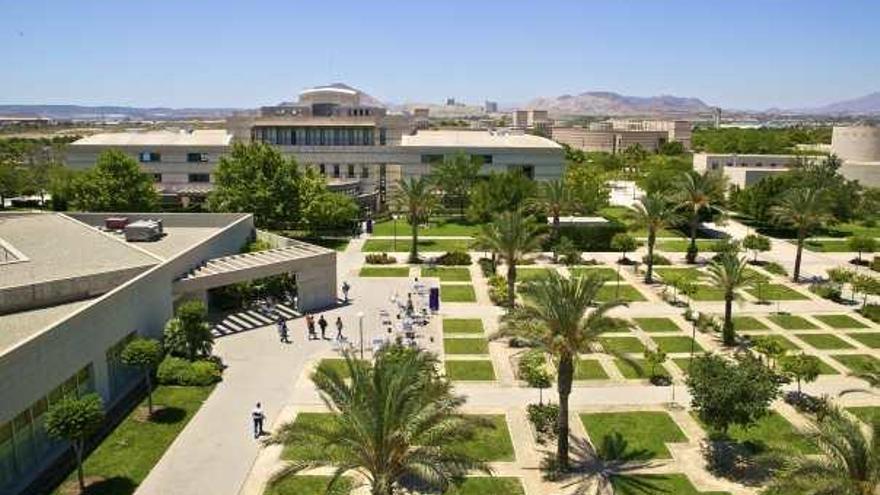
(394, 225)
(694, 335)
(360, 316)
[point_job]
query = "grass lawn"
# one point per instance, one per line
(465, 346)
(857, 363)
(609, 292)
(792, 322)
(626, 216)
(823, 341)
(528, 274)
(656, 484)
(491, 442)
(784, 342)
(306, 485)
(683, 364)
(868, 414)
(840, 321)
(472, 370)
(747, 323)
(666, 273)
(462, 325)
(826, 369)
(384, 271)
(448, 273)
(589, 369)
(603, 272)
(637, 368)
(622, 344)
(871, 340)
(773, 432)
(437, 227)
(335, 364)
(827, 245)
(425, 245)
(128, 454)
(645, 432)
(457, 293)
(681, 245)
(707, 293)
(484, 485)
(677, 343)
(776, 292)
(652, 325)
(311, 451)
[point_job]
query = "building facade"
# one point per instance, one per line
(614, 136)
(745, 170)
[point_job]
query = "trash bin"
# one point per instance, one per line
(434, 299)
(369, 225)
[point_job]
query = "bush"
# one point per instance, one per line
(498, 290)
(826, 291)
(775, 268)
(179, 371)
(592, 238)
(486, 267)
(380, 259)
(454, 258)
(567, 253)
(544, 419)
(875, 264)
(871, 312)
(658, 260)
(806, 403)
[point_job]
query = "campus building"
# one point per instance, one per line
(355, 142)
(73, 293)
(616, 135)
(533, 120)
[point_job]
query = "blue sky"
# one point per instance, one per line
(737, 53)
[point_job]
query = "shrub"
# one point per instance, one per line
(178, 371)
(454, 258)
(567, 252)
(593, 237)
(871, 312)
(544, 419)
(875, 264)
(775, 268)
(380, 259)
(486, 266)
(257, 245)
(826, 291)
(498, 290)
(658, 260)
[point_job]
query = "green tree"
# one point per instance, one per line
(725, 393)
(75, 419)
(697, 193)
(654, 358)
(554, 199)
(512, 235)
(115, 183)
(331, 211)
(848, 462)
(396, 423)
(729, 272)
(416, 199)
(671, 148)
(11, 179)
(862, 244)
(188, 333)
(533, 370)
(804, 209)
(588, 186)
(801, 367)
(840, 276)
(865, 284)
(455, 176)
(556, 317)
(499, 193)
(145, 354)
(654, 211)
(770, 348)
(624, 243)
(756, 244)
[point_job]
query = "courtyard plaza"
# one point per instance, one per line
(217, 454)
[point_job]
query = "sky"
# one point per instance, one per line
(743, 54)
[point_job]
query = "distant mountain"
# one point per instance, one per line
(79, 112)
(864, 105)
(614, 104)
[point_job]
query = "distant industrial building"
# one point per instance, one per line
(491, 106)
(614, 136)
(533, 120)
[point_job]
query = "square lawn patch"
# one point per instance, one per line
(448, 273)
(457, 293)
(681, 245)
(471, 370)
(589, 369)
(650, 484)
(651, 325)
(677, 343)
(683, 364)
(871, 340)
(645, 432)
(773, 432)
(609, 292)
(823, 341)
(462, 325)
(307, 485)
(491, 442)
(840, 321)
(384, 271)
(857, 363)
(868, 414)
(792, 322)
(528, 274)
(704, 292)
(668, 274)
(776, 292)
(604, 273)
(622, 344)
(465, 346)
(637, 368)
(747, 323)
(312, 451)
(485, 485)
(782, 341)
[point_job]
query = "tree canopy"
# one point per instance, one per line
(115, 183)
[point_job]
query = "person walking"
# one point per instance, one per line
(258, 417)
(310, 324)
(339, 335)
(323, 324)
(282, 329)
(345, 289)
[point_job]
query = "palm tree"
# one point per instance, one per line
(654, 211)
(611, 466)
(729, 272)
(512, 235)
(556, 317)
(397, 425)
(803, 208)
(554, 198)
(697, 192)
(415, 197)
(848, 462)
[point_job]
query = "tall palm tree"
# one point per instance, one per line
(729, 272)
(698, 192)
(803, 208)
(557, 318)
(397, 424)
(848, 462)
(654, 211)
(554, 199)
(512, 235)
(415, 197)
(610, 466)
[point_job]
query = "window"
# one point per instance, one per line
(482, 159)
(157, 177)
(336, 171)
(196, 157)
(382, 136)
(365, 171)
(120, 375)
(149, 156)
(431, 159)
(350, 170)
(200, 177)
(322, 169)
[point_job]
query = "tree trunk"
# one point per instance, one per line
(797, 259)
(149, 391)
(652, 237)
(564, 379)
(692, 251)
(555, 236)
(727, 332)
(511, 283)
(414, 249)
(77, 449)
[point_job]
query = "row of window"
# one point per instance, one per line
(197, 178)
(349, 171)
(716, 165)
(151, 156)
(430, 159)
(317, 136)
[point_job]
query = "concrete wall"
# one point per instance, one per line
(856, 143)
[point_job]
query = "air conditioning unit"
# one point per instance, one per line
(115, 223)
(143, 231)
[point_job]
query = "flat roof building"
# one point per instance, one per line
(616, 135)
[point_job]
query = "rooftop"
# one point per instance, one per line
(18, 327)
(203, 137)
(477, 139)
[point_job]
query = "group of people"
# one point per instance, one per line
(311, 325)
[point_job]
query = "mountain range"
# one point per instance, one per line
(615, 104)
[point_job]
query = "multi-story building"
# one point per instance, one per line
(73, 293)
(745, 170)
(614, 136)
(491, 106)
(533, 120)
(332, 129)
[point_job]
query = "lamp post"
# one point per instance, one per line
(394, 225)
(360, 316)
(694, 335)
